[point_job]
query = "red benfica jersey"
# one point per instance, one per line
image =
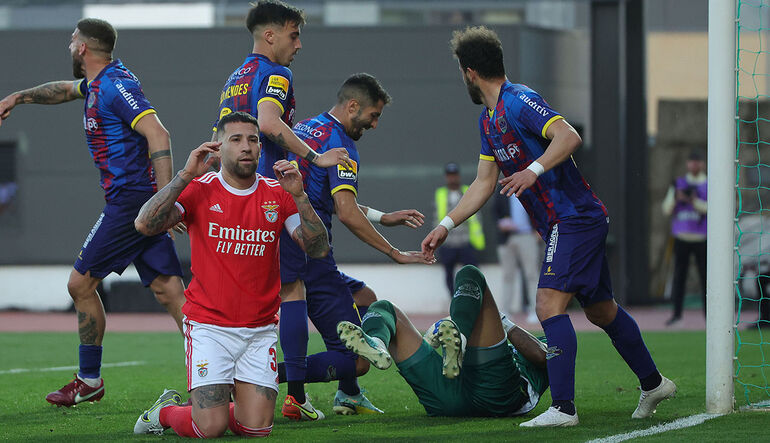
(234, 237)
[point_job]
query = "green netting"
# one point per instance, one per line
(752, 363)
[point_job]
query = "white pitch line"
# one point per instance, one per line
(70, 368)
(681, 423)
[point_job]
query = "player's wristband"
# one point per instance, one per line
(374, 215)
(537, 168)
(448, 223)
(311, 156)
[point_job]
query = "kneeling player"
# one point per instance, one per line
(235, 218)
(496, 379)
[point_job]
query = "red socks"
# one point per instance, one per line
(179, 418)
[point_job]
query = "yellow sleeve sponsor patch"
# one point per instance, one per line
(278, 86)
(347, 173)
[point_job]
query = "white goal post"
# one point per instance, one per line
(720, 282)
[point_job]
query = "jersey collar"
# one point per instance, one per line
(110, 65)
(236, 191)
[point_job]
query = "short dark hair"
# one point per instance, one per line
(273, 12)
(99, 30)
(236, 117)
(480, 49)
(364, 88)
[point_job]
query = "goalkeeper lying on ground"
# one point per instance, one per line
(495, 379)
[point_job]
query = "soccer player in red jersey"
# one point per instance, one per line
(234, 218)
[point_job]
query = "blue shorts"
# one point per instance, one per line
(114, 243)
(295, 265)
(330, 301)
(575, 260)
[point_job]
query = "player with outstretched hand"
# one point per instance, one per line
(316, 286)
(479, 375)
(234, 218)
(132, 151)
(532, 144)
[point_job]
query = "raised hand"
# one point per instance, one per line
(197, 163)
(409, 217)
(336, 156)
(289, 177)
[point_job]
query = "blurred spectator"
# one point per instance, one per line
(685, 202)
(520, 251)
(7, 195)
(459, 247)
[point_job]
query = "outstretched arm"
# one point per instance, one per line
(311, 234)
(50, 93)
(270, 124)
(478, 193)
(409, 217)
(350, 215)
(160, 213)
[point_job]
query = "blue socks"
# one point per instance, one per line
(293, 335)
(333, 365)
(627, 339)
(90, 357)
(561, 354)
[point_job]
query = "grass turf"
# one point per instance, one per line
(606, 393)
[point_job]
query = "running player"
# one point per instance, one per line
(522, 136)
(490, 379)
(263, 87)
(235, 218)
(330, 293)
(132, 151)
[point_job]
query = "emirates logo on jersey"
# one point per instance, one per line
(271, 211)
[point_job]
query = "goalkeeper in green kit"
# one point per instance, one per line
(487, 378)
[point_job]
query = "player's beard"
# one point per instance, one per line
(77, 67)
(475, 92)
(240, 170)
(358, 127)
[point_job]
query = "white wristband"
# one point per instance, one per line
(374, 215)
(448, 223)
(537, 168)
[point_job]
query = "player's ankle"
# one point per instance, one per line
(564, 406)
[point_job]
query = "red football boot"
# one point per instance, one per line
(75, 392)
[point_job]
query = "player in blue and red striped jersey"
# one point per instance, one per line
(132, 151)
(331, 295)
(532, 144)
(263, 87)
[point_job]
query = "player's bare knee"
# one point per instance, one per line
(601, 314)
(364, 297)
(81, 287)
(168, 290)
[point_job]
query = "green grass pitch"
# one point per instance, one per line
(606, 393)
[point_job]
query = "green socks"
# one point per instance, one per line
(466, 302)
(380, 321)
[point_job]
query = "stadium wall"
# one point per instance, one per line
(430, 122)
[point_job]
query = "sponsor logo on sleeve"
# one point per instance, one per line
(127, 96)
(278, 86)
(534, 105)
(346, 173)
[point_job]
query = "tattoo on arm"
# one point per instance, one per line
(50, 93)
(211, 396)
(160, 154)
(278, 139)
(311, 232)
(158, 214)
(87, 329)
(267, 393)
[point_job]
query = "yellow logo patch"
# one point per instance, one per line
(548, 272)
(224, 112)
(347, 173)
(277, 85)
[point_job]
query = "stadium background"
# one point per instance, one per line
(631, 75)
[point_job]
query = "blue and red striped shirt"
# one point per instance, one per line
(514, 135)
(114, 103)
